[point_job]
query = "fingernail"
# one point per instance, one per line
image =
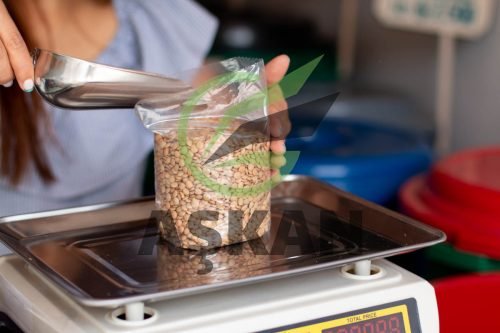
(280, 131)
(8, 84)
(28, 85)
(278, 161)
(276, 178)
(277, 131)
(283, 147)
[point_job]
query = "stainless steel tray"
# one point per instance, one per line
(108, 255)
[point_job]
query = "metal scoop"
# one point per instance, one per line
(73, 83)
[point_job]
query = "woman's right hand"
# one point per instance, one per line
(15, 59)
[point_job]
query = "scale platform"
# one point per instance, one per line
(110, 255)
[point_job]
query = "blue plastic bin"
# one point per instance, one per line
(368, 160)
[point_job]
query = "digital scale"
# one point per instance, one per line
(103, 269)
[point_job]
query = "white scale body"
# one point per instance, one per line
(37, 305)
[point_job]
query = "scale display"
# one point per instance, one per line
(400, 317)
(394, 323)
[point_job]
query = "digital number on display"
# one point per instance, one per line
(388, 324)
(398, 317)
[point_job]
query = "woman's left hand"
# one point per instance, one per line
(279, 123)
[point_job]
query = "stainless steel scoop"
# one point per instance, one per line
(73, 83)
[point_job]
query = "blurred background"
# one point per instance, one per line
(399, 63)
(415, 125)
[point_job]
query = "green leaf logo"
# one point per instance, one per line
(290, 86)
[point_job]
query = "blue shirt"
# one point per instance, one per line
(99, 156)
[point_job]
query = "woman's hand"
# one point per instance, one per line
(279, 123)
(15, 59)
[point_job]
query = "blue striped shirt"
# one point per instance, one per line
(99, 156)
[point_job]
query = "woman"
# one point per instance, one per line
(51, 158)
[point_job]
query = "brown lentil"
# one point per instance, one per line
(179, 193)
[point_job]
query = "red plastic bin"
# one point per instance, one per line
(469, 303)
(469, 179)
(461, 196)
(468, 232)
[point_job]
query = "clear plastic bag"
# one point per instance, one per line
(212, 158)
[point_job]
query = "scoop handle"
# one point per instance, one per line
(72, 83)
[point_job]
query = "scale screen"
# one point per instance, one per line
(399, 317)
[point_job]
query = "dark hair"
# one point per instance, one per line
(23, 120)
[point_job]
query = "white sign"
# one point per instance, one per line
(459, 18)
